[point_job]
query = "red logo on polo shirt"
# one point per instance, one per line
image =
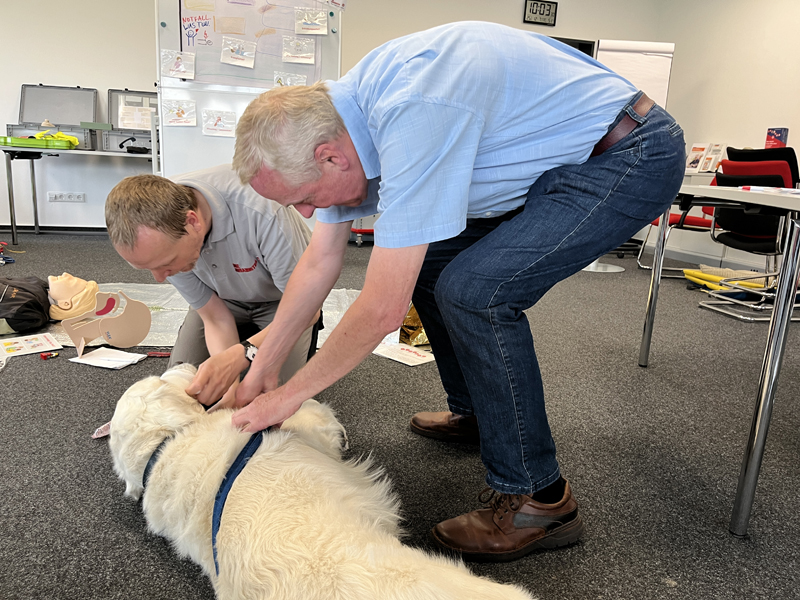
(245, 269)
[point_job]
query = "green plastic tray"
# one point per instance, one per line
(34, 143)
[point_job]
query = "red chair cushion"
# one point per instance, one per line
(674, 219)
(765, 167)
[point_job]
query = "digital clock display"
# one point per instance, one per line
(540, 13)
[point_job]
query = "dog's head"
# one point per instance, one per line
(148, 412)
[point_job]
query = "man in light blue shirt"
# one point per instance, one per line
(501, 162)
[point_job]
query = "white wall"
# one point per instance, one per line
(88, 43)
(734, 74)
(369, 23)
(735, 69)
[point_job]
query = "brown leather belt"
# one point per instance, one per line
(625, 126)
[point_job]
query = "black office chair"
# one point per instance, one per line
(759, 230)
(752, 229)
(750, 155)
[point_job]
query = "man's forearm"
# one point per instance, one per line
(220, 337)
(379, 310)
(258, 338)
(215, 376)
(219, 325)
(309, 285)
(358, 333)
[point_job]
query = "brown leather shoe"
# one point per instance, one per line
(510, 527)
(446, 426)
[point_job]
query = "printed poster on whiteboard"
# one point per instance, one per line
(298, 50)
(208, 29)
(238, 52)
(219, 123)
(180, 113)
(310, 22)
(177, 64)
(285, 78)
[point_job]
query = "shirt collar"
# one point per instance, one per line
(356, 123)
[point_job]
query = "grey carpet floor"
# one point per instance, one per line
(653, 454)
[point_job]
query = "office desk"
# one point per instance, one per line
(776, 338)
(31, 154)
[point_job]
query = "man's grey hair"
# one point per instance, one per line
(147, 201)
(282, 128)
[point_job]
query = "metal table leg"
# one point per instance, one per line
(770, 368)
(655, 281)
(11, 211)
(35, 203)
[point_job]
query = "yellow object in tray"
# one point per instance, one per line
(42, 135)
(44, 144)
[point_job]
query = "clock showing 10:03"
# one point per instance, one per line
(540, 13)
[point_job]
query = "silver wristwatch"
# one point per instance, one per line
(249, 350)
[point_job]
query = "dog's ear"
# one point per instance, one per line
(149, 411)
(130, 443)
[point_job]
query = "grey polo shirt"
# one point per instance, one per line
(252, 248)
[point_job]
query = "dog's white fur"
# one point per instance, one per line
(298, 522)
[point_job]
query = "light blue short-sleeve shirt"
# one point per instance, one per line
(252, 248)
(459, 121)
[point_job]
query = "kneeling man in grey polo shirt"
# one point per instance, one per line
(227, 250)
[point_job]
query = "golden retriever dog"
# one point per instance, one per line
(299, 522)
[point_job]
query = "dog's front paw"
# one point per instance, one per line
(318, 425)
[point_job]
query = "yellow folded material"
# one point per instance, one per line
(735, 274)
(711, 281)
(703, 283)
(57, 136)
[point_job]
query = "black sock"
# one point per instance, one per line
(552, 493)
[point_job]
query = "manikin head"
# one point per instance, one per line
(72, 295)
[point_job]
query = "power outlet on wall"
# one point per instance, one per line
(66, 197)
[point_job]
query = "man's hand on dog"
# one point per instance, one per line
(228, 400)
(261, 378)
(270, 408)
(216, 375)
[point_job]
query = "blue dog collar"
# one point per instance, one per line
(227, 483)
(222, 495)
(153, 459)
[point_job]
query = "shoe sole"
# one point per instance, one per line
(561, 537)
(444, 437)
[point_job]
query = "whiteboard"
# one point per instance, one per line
(647, 65)
(204, 25)
(224, 87)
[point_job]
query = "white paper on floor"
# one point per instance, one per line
(109, 358)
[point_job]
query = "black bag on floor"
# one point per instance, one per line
(24, 305)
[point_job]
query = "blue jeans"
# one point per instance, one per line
(473, 289)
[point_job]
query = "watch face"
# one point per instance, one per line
(249, 351)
